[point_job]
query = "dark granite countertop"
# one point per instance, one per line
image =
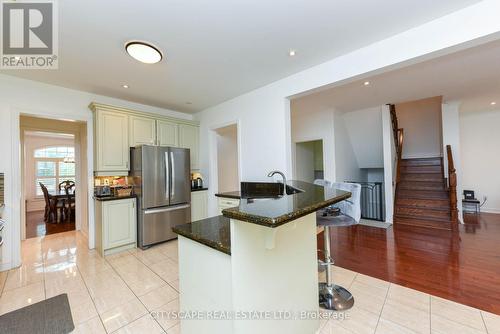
(213, 232)
(113, 198)
(275, 212)
(198, 189)
(230, 194)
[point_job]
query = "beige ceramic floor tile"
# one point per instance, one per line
(388, 327)
(146, 324)
(159, 297)
(92, 326)
(441, 325)
(462, 314)
(175, 330)
(138, 277)
(149, 256)
(409, 297)
(122, 315)
(25, 275)
(358, 320)
(368, 297)
(170, 249)
(167, 269)
(163, 315)
(332, 327)
(412, 318)
(492, 322)
(372, 281)
(61, 270)
(174, 284)
(3, 278)
(20, 297)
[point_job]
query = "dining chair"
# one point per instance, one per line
(52, 205)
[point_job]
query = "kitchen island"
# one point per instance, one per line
(254, 269)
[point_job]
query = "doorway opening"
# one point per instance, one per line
(54, 182)
(309, 160)
(228, 178)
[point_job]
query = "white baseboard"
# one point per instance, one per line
(490, 210)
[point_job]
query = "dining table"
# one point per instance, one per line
(61, 195)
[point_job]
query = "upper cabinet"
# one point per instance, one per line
(118, 129)
(168, 133)
(142, 131)
(111, 141)
(189, 137)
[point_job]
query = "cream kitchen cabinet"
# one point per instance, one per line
(199, 205)
(168, 133)
(117, 129)
(111, 142)
(189, 138)
(142, 131)
(226, 203)
(116, 225)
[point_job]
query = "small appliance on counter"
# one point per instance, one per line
(196, 181)
(102, 191)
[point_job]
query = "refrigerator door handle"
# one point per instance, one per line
(171, 208)
(172, 161)
(167, 177)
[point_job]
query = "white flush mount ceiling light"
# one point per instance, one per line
(125, 86)
(143, 52)
(366, 83)
(493, 103)
(292, 53)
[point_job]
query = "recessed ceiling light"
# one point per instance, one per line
(493, 103)
(125, 86)
(366, 83)
(291, 53)
(143, 52)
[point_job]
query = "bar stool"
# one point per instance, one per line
(332, 296)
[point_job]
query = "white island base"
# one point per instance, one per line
(269, 270)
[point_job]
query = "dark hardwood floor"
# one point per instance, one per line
(36, 227)
(463, 266)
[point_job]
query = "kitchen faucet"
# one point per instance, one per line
(272, 173)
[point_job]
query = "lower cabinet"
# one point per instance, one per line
(226, 203)
(116, 225)
(199, 205)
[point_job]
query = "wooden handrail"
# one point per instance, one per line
(395, 126)
(452, 187)
(399, 150)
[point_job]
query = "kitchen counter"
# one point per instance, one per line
(260, 255)
(113, 198)
(230, 194)
(213, 232)
(274, 212)
(198, 189)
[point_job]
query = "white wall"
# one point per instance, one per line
(451, 136)
(227, 159)
(19, 96)
(304, 161)
(480, 155)
(346, 165)
(264, 113)
(365, 133)
(389, 164)
(421, 122)
(33, 142)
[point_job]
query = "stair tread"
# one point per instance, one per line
(432, 208)
(423, 223)
(420, 217)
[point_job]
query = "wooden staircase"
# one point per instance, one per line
(422, 197)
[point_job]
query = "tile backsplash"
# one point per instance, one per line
(2, 199)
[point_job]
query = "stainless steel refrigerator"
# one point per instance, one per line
(162, 183)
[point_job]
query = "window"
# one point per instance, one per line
(53, 165)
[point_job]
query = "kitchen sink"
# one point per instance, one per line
(266, 190)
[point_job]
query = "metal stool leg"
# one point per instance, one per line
(331, 296)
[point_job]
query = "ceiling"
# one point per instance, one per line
(471, 77)
(216, 50)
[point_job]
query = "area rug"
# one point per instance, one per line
(51, 316)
